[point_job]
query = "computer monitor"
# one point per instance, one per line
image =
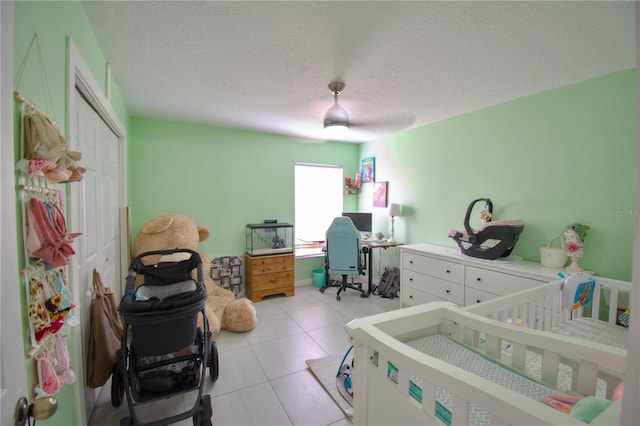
(362, 221)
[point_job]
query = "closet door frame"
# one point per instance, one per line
(81, 80)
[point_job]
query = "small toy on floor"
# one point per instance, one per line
(343, 378)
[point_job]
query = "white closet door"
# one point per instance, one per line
(94, 211)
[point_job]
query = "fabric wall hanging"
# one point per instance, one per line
(45, 151)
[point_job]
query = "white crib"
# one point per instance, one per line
(397, 384)
(540, 307)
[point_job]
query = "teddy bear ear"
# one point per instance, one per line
(157, 225)
(204, 233)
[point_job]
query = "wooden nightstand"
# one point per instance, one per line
(268, 275)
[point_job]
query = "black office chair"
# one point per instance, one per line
(343, 256)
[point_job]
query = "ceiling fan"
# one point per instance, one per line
(337, 123)
(336, 119)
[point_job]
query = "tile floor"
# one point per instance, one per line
(264, 379)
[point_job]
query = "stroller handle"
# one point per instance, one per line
(137, 266)
(163, 252)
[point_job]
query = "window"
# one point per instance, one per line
(318, 199)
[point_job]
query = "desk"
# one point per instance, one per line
(367, 248)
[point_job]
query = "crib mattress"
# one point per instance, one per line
(594, 330)
(454, 353)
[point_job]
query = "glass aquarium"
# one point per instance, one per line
(269, 238)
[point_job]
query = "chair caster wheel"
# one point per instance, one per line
(363, 295)
(322, 290)
(338, 298)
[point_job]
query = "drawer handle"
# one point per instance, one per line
(411, 296)
(411, 261)
(448, 291)
(411, 279)
(478, 279)
(478, 301)
(448, 271)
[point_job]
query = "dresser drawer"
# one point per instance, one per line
(498, 283)
(439, 288)
(439, 268)
(412, 296)
(272, 281)
(269, 264)
(473, 296)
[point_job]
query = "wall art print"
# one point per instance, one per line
(380, 194)
(369, 169)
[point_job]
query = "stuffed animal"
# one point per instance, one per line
(173, 231)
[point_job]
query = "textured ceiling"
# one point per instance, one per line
(265, 65)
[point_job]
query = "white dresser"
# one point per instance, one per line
(430, 273)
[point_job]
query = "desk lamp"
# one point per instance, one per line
(394, 210)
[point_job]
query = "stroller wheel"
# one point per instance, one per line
(198, 420)
(203, 416)
(212, 363)
(117, 386)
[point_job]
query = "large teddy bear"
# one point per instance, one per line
(171, 231)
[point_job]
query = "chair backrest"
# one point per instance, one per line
(344, 249)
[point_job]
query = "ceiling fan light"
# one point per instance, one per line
(336, 130)
(336, 119)
(336, 116)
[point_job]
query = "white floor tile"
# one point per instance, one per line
(256, 405)
(317, 317)
(273, 327)
(239, 369)
(342, 422)
(306, 297)
(228, 341)
(268, 306)
(332, 339)
(286, 355)
(305, 400)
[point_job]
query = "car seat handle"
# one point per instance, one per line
(467, 216)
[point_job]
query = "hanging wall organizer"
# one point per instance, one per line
(46, 160)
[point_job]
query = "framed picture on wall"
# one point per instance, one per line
(380, 194)
(369, 170)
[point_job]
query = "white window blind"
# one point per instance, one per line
(318, 199)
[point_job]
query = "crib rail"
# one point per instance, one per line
(387, 370)
(540, 307)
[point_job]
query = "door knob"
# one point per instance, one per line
(41, 409)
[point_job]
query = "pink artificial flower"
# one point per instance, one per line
(572, 246)
(37, 164)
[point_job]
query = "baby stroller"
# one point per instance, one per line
(163, 352)
(492, 240)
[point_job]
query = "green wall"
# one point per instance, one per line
(222, 178)
(54, 21)
(562, 156)
(551, 159)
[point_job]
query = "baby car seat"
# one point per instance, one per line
(492, 240)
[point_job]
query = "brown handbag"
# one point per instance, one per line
(105, 333)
